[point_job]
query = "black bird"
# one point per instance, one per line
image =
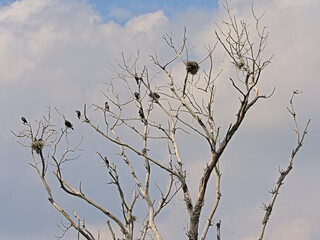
(155, 96)
(137, 95)
(137, 78)
(106, 161)
(68, 124)
(106, 105)
(78, 113)
(141, 114)
(24, 120)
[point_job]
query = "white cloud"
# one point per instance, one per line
(23, 10)
(147, 22)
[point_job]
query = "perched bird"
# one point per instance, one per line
(137, 95)
(155, 96)
(106, 105)
(141, 114)
(138, 79)
(68, 124)
(24, 120)
(78, 113)
(106, 161)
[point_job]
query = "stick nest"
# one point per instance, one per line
(192, 67)
(37, 145)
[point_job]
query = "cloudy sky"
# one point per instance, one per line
(58, 53)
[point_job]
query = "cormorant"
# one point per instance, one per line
(68, 124)
(24, 120)
(141, 114)
(106, 161)
(78, 113)
(107, 106)
(137, 78)
(155, 96)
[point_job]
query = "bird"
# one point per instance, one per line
(155, 96)
(68, 124)
(106, 105)
(78, 113)
(24, 120)
(138, 79)
(141, 114)
(106, 161)
(137, 95)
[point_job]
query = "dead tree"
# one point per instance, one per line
(154, 116)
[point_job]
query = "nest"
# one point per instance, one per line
(192, 67)
(37, 145)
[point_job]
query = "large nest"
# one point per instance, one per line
(37, 145)
(192, 67)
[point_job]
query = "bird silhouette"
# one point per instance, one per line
(68, 124)
(137, 95)
(24, 120)
(106, 161)
(106, 105)
(141, 114)
(155, 96)
(138, 79)
(78, 113)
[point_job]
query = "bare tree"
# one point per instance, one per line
(145, 118)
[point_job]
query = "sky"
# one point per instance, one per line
(58, 53)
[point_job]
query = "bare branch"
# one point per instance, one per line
(214, 208)
(283, 173)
